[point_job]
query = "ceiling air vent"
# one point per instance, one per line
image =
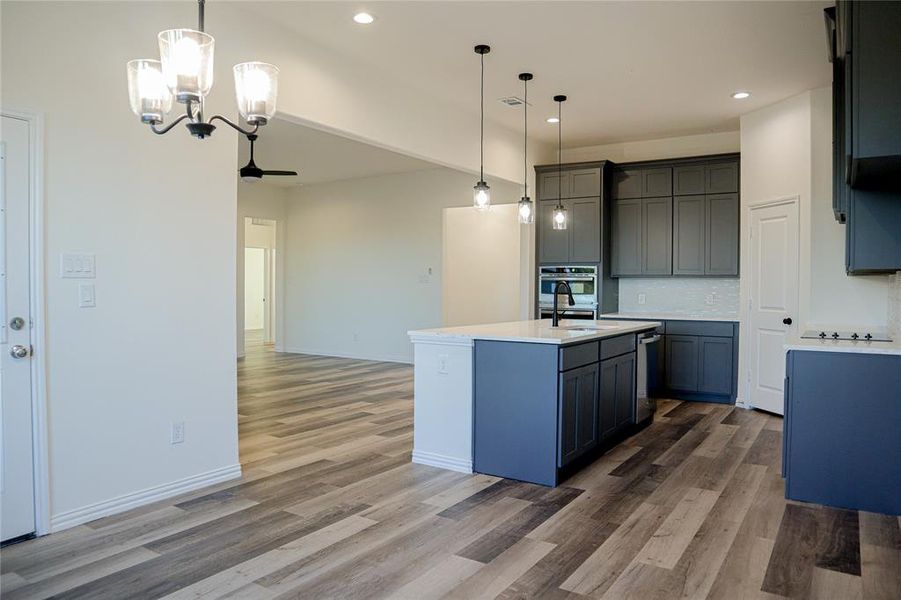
(511, 101)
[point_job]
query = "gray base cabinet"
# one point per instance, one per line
(540, 407)
(841, 445)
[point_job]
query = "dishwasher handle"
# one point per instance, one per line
(651, 339)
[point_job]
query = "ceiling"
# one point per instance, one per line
(632, 70)
(320, 157)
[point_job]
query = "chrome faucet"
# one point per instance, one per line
(555, 318)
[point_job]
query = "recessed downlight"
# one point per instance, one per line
(363, 18)
(553, 120)
(741, 95)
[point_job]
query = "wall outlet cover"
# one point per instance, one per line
(642, 298)
(178, 432)
(86, 295)
(442, 364)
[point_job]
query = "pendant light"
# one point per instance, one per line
(481, 194)
(526, 207)
(559, 215)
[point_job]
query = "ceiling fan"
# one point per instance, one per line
(251, 172)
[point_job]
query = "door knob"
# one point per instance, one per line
(18, 351)
(787, 320)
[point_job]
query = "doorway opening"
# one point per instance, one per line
(259, 281)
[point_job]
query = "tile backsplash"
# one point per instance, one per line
(689, 296)
(894, 305)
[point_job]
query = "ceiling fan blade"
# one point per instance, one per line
(279, 172)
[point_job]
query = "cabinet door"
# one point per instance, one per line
(682, 363)
(722, 178)
(584, 183)
(657, 182)
(625, 390)
(607, 399)
(554, 243)
(722, 235)
(689, 231)
(688, 180)
(568, 419)
(657, 236)
(715, 374)
(627, 183)
(585, 222)
(587, 409)
(548, 185)
(625, 243)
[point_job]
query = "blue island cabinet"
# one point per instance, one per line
(540, 410)
(842, 430)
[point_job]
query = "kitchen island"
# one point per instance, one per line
(523, 399)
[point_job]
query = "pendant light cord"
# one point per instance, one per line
(559, 153)
(525, 139)
(200, 15)
(482, 121)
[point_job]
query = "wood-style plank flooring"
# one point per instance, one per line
(330, 506)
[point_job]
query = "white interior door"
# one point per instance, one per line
(773, 301)
(17, 479)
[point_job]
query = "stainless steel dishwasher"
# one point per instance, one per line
(645, 405)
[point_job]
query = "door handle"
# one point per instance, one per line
(19, 351)
(787, 320)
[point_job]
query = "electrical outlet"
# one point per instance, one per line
(642, 298)
(178, 432)
(442, 364)
(710, 299)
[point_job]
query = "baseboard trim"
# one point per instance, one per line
(441, 461)
(125, 502)
(381, 358)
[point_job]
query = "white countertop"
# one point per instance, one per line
(796, 343)
(669, 316)
(536, 331)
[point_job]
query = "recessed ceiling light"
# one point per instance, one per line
(553, 120)
(363, 18)
(741, 95)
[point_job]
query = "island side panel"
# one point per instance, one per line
(442, 403)
(515, 408)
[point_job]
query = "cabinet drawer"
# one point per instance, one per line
(618, 345)
(708, 328)
(578, 355)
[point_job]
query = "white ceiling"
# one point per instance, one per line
(632, 70)
(320, 157)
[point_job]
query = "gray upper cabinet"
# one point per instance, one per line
(627, 183)
(721, 178)
(572, 183)
(584, 183)
(689, 180)
(552, 186)
(657, 182)
(553, 243)
(722, 235)
(626, 234)
(585, 226)
(657, 236)
(689, 234)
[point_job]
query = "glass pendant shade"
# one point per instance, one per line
(187, 57)
(256, 89)
(559, 217)
(526, 211)
(148, 95)
(481, 196)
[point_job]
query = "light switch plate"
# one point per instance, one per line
(76, 266)
(86, 295)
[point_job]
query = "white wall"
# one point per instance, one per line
(481, 265)
(159, 213)
(267, 202)
(254, 287)
(674, 147)
(358, 260)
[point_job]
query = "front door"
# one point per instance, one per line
(17, 479)
(774, 299)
